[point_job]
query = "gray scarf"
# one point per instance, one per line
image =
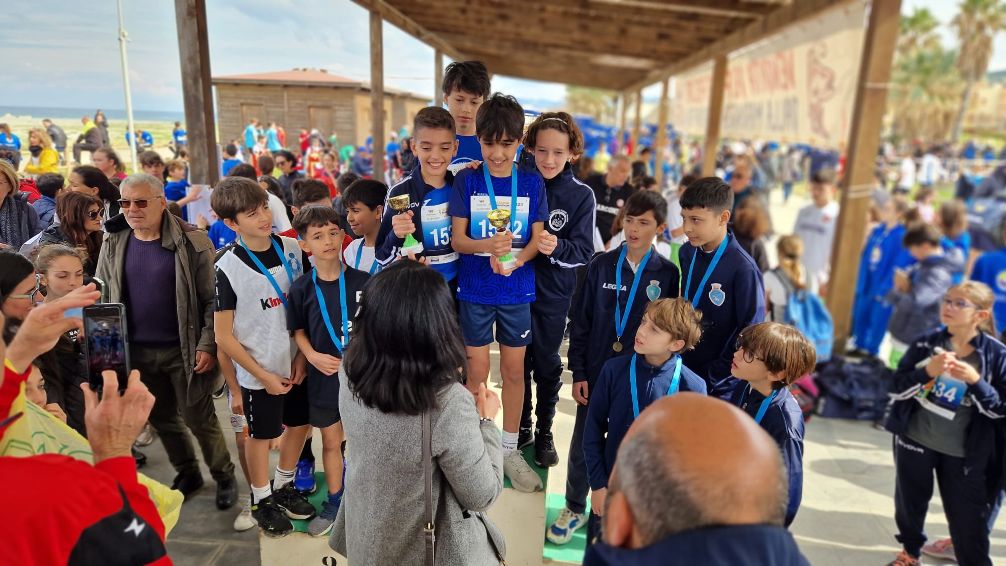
(15, 220)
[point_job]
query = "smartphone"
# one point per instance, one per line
(105, 343)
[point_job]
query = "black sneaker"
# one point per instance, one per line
(271, 519)
(227, 493)
(544, 449)
(525, 438)
(295, 505)
(188, 483)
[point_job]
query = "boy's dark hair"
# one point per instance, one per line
(708, 192)
(560, 122)
(433, 117)
(466, 76)
(345, 180)
(368, 192)
(318, 216)
(234, 195)
(49, 184)
(150, 157)
(307, 191)
(687, 181)
(272, 186)
(243, 170)
(174, 209)
(824, 176)
(500, 117)
(266, 164)
(922, 233)
(231, 150)
(642, 201)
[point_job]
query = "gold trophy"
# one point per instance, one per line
(500, 219)
(401, 203)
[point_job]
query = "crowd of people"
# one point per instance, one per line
(318, 297)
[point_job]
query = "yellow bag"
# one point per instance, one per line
(39, 432)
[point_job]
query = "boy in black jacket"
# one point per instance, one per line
(552, 142)
(619, 285)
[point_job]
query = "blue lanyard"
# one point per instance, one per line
(622, 320)
(339, 344)
(262, 268)
(671, 389)
(709, 271)
(492, 192)
(763, 408)
(359, 255)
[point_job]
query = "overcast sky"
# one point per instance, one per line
(65, 54)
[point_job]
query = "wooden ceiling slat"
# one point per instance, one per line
(728, 8)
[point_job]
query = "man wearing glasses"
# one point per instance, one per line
(161, 268)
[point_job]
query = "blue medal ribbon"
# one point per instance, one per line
(492, 192)
(261, 267)
(705, 278)
(339, 344)
(359, 257)
(621, 321)
(763, 408)
(671, 389)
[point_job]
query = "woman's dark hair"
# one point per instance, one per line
(406, 346)
(71, 207)
(113, 157)
(14, 268)
(94, 178)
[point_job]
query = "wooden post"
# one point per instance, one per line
(660, 138)
(639, 119)
(858, 183)
(377, 92)
(716, 92)
(197, 91)
(623, 103)
(438, 77)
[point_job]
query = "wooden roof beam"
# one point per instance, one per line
(396, 18)
(772, 24)
(723, 8)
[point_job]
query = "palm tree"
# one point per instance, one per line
(976, 24)
(917, 32)
(597, 103)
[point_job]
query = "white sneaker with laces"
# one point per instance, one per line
(561, 531)
(522, 477)
(244, 520)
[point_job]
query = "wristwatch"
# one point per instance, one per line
(486, 420)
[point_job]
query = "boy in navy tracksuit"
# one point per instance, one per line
(719, 278)
(769, 357)
(552, 141)
(429, 190)
(466, 86)
(629, 384)
(618, 286)
(946, 414)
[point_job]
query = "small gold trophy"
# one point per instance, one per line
(401, 203)
(500, 219)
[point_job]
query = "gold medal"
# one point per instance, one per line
(617, 346)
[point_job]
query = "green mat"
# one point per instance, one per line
(321, 494)
(571, 552)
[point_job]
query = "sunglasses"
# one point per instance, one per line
(95, 214)
(140, 203)
(30, 296)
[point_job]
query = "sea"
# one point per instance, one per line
(59, 113)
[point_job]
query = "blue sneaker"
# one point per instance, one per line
(561, 531)
(303, 478)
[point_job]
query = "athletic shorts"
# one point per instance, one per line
(323, 417)
(296, 411)
(513, 324)
(264, 413)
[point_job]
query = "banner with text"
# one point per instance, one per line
(798, 86)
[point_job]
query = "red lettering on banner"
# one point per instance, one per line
(773, 73)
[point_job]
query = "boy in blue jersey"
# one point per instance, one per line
(720, 279)
(364, 202)
(230, 159)
(629, 384)
(618, 286)
(769, 357)
(552, 143)
(429, 190)
(488, 292)
(466, 86)
(990, 269)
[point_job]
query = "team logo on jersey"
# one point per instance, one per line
(716, 295)
(1001, 281)
(875, 255)
(653, 290)
(294, 262)
(619, 203)
(557, 219)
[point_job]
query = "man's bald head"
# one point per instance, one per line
(691, 461)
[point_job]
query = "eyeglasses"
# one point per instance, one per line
(30, 296)
(280, 163)
(140, 202)
(958, 304)
(95, 214)
(748, 355)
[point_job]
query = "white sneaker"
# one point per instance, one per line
(146, 436)
(564, 526)
(244, 520)
(522, 477)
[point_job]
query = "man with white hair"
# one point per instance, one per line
(161, 269)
